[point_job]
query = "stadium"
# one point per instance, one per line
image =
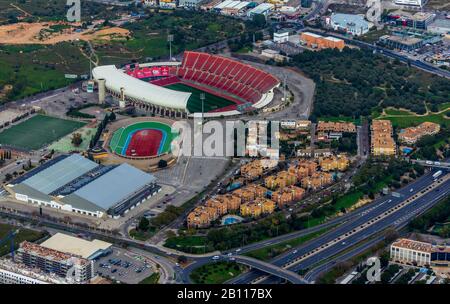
(201, 82)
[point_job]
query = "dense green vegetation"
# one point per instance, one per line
(389, 273)
(44, 10)
(152, 279)
(353, 82)
(432, 146)
(190, 30)
(406, 277)
(192, 244)
(216, 273)
(438, 214)
(22, 235)
(31, 69)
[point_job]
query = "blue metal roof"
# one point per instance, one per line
(114, 186)
(60, 173)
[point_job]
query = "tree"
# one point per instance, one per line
(77, 139)
(162, 163)
(144, 224)
(182, 259)
(259, 20)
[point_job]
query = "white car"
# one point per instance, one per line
(230, 254)
(237, 250)
(216, 257)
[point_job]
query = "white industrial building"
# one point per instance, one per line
(281, 36)
(262, 9)
(410, 2)
(78, 185)
(352, 24)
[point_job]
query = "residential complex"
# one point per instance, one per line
(257, 207)
(340, 163)
(413, 134)
(329, 126)
(382, 142)
(317, 180)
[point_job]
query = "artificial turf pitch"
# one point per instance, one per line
(212, 102)
(38, 131)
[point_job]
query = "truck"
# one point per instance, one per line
(437, 174)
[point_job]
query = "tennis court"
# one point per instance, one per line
(140, 139)
(38, 131)
(212, 102)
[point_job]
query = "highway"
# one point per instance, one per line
(291, 260)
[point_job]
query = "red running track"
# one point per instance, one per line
(144, 143)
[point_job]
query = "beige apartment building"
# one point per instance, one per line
(382, 142)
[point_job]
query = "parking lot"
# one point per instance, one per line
(124, 266)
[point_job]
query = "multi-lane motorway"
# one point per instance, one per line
(374, 218)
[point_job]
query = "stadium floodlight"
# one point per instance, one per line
(170, 40)
(202, 98)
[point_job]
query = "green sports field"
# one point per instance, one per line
(38, 131)
(212, 102)
(120, 136)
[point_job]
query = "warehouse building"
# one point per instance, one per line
(76, 184)
(262, 9)
(351, 24)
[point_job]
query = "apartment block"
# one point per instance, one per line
(413, 134)
(344, 127)
(233, 202)
(258, 190)
(220, 207)
(252, 169)
(257, 207)
(244, 194)
(317, 180)
(332, 163)
(61, 264)
(201, 217)
(287, 195)
(382, 142)
(282, 179)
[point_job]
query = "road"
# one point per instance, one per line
(370, 212)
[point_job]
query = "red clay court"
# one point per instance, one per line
(144, 143)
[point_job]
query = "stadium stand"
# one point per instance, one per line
(224, 77)
(231, 76)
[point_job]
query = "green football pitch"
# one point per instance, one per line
(212, 102)
(38, 131)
